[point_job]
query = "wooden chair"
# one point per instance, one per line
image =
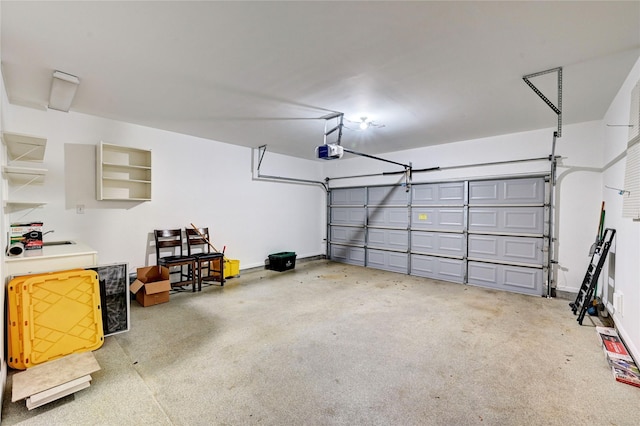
(171, 240)
(199, 246)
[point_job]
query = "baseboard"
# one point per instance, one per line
(633, 349)
(298, 261)
(311, 258)
(567, 295)
(3, 380)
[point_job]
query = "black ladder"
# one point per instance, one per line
(585, 295)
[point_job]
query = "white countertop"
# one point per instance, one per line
(48, 252)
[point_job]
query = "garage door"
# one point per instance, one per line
(489, 233)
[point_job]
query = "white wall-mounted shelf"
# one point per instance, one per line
(123, 173)
(14, 206)
(23, 175)
(22, 147)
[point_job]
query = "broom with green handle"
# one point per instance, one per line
(592, 250)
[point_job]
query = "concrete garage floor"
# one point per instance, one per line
(333, 344)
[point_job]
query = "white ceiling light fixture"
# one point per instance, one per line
(63, 89)
(365, 123)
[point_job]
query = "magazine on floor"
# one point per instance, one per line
(622, 365)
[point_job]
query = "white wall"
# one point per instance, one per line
(194, 180)
(578, 185)
(627, 267)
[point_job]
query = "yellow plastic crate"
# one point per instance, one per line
(231, 268)
(15, 358)
(15, 346)
(53, 315)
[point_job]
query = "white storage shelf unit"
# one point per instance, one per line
(123, 173)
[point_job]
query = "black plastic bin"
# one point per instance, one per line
(282, 261)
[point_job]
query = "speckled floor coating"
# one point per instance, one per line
(334, 344)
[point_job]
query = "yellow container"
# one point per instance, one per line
(15, 321)
(59, 314)
(231, 268)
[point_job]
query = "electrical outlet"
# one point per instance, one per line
(617, 303)
(80, 209)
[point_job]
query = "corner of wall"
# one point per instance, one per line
(3, 364)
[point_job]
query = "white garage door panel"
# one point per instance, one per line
(508, 249)
(348, 197)
(512, 191)
(438, 218)
(521, 220)
(526, 279)
(388, 195)
(439, 268)
(438, 243)
(396, 217)
(387, 260)
(347, 235)
(348, 215)
(388, 239)
(452, 193)
(517, 279)
(523, 191)
(438, 193)
(345, 254)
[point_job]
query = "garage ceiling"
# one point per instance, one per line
(253, 73)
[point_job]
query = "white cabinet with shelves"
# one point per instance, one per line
(123, 173)
(23, 148)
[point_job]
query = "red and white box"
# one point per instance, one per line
(28, 234)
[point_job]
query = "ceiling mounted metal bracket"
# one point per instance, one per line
(262, 150)
(557, 109)
(339, 116)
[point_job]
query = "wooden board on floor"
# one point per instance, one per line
(57, 392)
(50, 374)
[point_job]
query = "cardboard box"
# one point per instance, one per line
(151, 286)
(28, 234)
